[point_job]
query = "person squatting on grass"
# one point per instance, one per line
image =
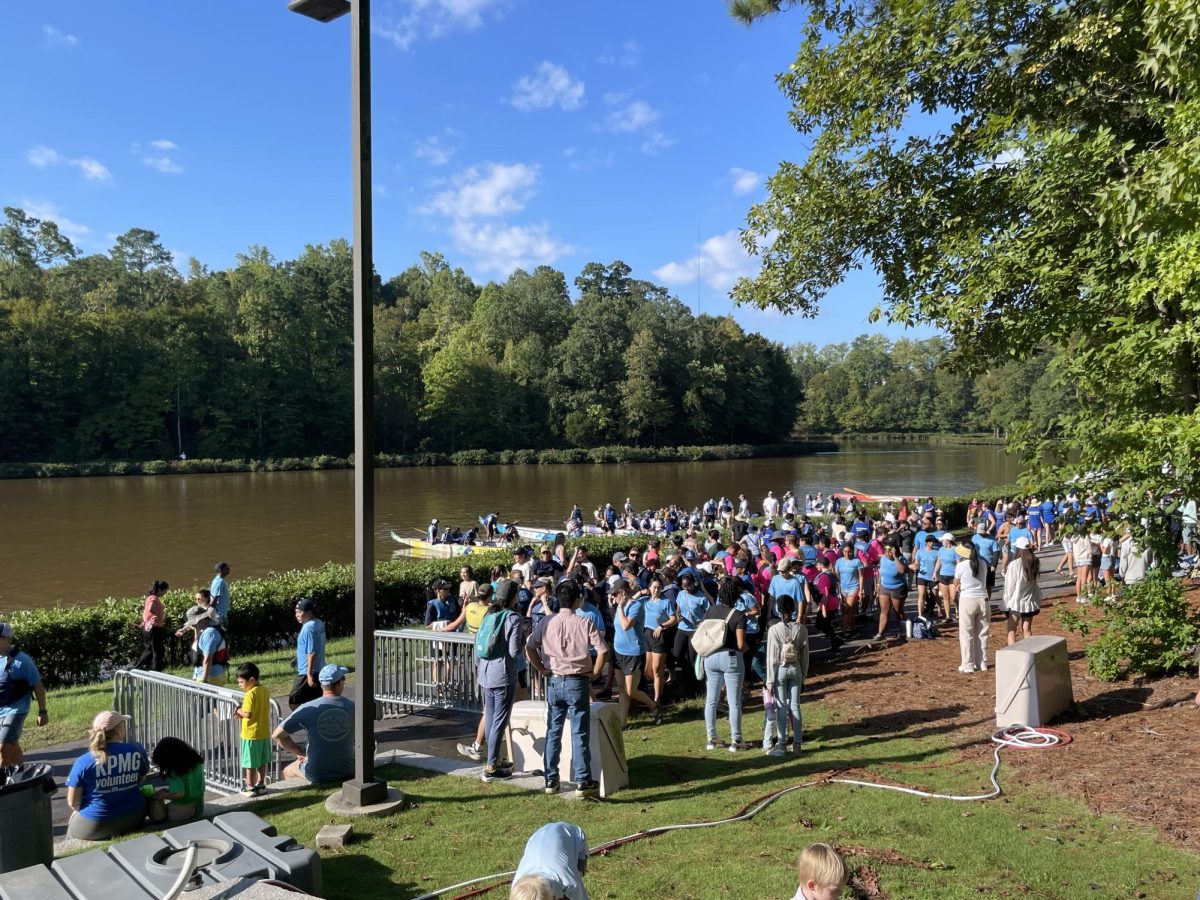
(553, 865)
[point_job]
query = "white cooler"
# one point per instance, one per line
(527, 744)
(1033, 681)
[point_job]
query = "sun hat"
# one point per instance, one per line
(332, 674)
(948, 536)
(1021, 543)
(197, 614)
(963, 550)
(981, 528)
(107, 720)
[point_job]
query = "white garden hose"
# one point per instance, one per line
(1017, 737)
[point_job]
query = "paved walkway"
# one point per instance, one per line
(428, 739)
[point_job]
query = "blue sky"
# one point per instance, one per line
(506, 133)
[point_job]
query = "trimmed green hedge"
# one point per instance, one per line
(617, 454)
(70, 644)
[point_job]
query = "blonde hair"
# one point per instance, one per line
(532, 887)
(821, 864)
(99, 739)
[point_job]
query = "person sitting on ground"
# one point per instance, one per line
(822, 873)
(104, 788)
(329, 721)
(183, 768)
(553, 865)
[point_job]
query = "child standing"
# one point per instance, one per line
(256, 729)
(822, 873)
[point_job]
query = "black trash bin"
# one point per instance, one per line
(26, 822)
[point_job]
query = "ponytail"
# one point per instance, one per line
(98, 744)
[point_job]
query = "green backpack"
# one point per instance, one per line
(489, 639)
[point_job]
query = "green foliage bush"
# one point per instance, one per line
(1149, 629)
(69, 644)
(472, 458)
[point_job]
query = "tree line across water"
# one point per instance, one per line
(118, 356)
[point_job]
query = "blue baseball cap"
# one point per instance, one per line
(332, 674)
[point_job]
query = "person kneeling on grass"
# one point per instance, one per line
(822, 873)
(329, 721)
(553, 865)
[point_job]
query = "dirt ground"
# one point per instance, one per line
(1134, 751)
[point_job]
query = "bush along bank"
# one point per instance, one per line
(571, 456)
(71, 645)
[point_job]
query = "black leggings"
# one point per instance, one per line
(685, 655)
(153, 653)
(825, 626)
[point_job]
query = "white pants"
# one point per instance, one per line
(974, 622)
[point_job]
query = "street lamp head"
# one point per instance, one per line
(321, 10)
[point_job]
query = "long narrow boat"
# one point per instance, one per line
(851, 494)
(425, 548)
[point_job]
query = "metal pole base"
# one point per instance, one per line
(373, 798)
(364, 793)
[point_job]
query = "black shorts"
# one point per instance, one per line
(945, 579)
(654, 644)
(896, 593)
(926, 583)
(301, 693)
(630, 665)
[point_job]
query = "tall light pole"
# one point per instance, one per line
(364, 789)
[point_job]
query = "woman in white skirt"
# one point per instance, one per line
(974, 611)
(1022, 596)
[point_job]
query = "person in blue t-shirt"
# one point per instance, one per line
(554, 863)
(893, 586)
(944, 570)
(329, 723)
(104, 789)
(212, 651)
(629, 648)
(19, 678)
(927, 585)
(989, 550)
(220, 593)
(849, 573)
(786, 583)
(661, 617)
(310, 654)
(691, 604)
(1019, 530)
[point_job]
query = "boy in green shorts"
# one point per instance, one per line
(256, 728)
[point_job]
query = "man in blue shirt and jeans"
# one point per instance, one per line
(220, 592)
(310, 654)
(18, 679)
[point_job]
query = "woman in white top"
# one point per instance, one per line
(1022, 596)
(974, 611)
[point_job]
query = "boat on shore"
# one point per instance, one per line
(851, 494)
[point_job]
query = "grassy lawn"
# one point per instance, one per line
(72, 709)
(1028, 842)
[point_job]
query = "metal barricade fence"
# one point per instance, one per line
(160, 705)
(418, 668)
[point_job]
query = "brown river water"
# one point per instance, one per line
(75, 540)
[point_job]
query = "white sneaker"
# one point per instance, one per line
(712, 745)
(983, 667)
(735, 746)
(775, 751)
(471, 751)
(967, 670)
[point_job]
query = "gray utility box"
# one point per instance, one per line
(26, 822)
(234, 846)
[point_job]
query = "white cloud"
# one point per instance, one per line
(48, 212)
(403, 22)
(160, 161)
(549, 85)
(744, 180)
(636, 117)
(626, 56)
(55, 39)
(475, 207)
(92, 169)
(632, 116)
(720, 261)
(43, 156)
(501, 248)
(493, 190)
(435, 150)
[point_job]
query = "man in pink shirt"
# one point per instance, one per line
(560, 647)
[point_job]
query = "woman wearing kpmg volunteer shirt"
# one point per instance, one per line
(104, 789)
(691, 604)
